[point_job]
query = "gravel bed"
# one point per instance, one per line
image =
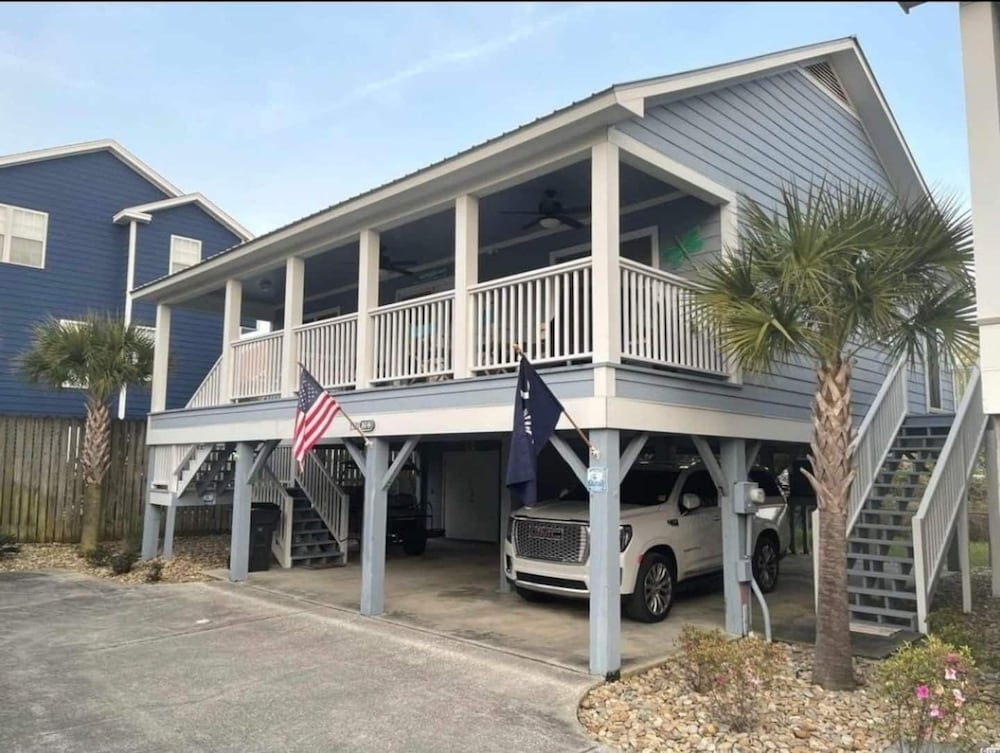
(192, 556)
(656, 711)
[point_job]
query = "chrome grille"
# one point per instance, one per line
(550, 540)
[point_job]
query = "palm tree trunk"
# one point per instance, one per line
(95, 458)
(831, 478)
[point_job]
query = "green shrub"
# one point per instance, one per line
(951, 626)
(154, 571)
(8, 546)
(121, 562)
(733, 673)
(100, 556)
(927, 686)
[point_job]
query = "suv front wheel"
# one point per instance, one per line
(654, 589)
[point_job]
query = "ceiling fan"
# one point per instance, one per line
(551, 213)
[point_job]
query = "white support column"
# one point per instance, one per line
(230, 333)
(993, 498)
(466, 275)
(368, 276)
(133, 228)
(373, 529)
(605, 555)
(161, 360)
(294, 286)
(168, 532)
(239, 546)
(964, 564)
(151, 530)
(737, 594)
(605, 235)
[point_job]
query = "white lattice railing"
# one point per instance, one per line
(209, 392)
(257, 367)
(875, 437)
(413, 339)
(946, 492)
(659, 322)
(546, 312)
(168, 462)
(328, 350)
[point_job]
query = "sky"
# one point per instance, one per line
(277, 110)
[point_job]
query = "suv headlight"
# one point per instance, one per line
(510, 529)
(624, 536)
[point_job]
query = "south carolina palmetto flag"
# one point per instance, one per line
(314, 413)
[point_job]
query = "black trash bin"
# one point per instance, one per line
(264, 518)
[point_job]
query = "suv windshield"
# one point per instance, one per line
(642, 486)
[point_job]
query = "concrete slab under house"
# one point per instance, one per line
(577, 238)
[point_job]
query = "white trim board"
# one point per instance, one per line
(144, 212)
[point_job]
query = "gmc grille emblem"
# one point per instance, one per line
(549, 533)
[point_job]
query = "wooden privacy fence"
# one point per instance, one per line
(41, 482)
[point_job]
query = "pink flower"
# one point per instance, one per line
(949, 674)
(952, 657)
(923, 693)
(959, 698)
(935, 712)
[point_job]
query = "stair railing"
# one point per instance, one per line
(268, 488)
(327, 498)
(945, 493)
(875, 437)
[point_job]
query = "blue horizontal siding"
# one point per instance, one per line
(85, 270)
(754, 138)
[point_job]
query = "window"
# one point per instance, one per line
(765, 481)
(700, 483)
(22, 236)
(184, 253)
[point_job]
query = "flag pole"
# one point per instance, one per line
(344, 414)
(586, 440)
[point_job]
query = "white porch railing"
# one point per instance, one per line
(209, 392)
(413, 339)
(257, 367)
(163, 465)
(546, 312)
(875, 437)
(945, 493)
(659, 322)
(328, 349)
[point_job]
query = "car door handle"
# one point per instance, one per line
(717, 519)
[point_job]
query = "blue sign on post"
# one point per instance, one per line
(597, 480)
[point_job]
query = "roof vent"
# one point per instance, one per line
(826, 78)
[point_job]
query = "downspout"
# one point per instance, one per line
(129, 284)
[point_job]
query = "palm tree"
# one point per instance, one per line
(831, 271)
(99, 355)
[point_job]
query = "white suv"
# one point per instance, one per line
(671, 530)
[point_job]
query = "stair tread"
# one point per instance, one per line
(314, 555)
(884, 576)
(879, 557)
(880, 542)
(322, 542)
(883, 526)
(866, 591)
(884, 611)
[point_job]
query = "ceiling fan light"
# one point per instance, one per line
(550, 223)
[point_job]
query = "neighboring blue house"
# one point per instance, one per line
(80, 226)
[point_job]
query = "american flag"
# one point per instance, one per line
(313, 416)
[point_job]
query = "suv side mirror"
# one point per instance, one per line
(690, 502)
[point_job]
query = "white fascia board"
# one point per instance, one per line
(190, 198)
(457, 173)
(69, 150)
(126, 216)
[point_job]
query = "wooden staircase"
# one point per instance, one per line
(882, 584)
(312, 544)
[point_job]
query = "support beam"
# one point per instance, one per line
(357, 455)
(605, 580)
(505, 506)
(712, 464)
(295, 270)
(466, 275)
(368, 278)
(605, 237)
(734, 531)
(230, 334)
(753, 452)
(168, 532)
(993, 498)
(572, 460)
(397, 465)
(964, 564)
(239, 546)
(263, 455)
(631, 454)
(133, 230)
(373, 530)
(161, 360)
(151, 530)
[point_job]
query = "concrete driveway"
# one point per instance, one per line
(87, 665)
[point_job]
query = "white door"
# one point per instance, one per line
(472, 495)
